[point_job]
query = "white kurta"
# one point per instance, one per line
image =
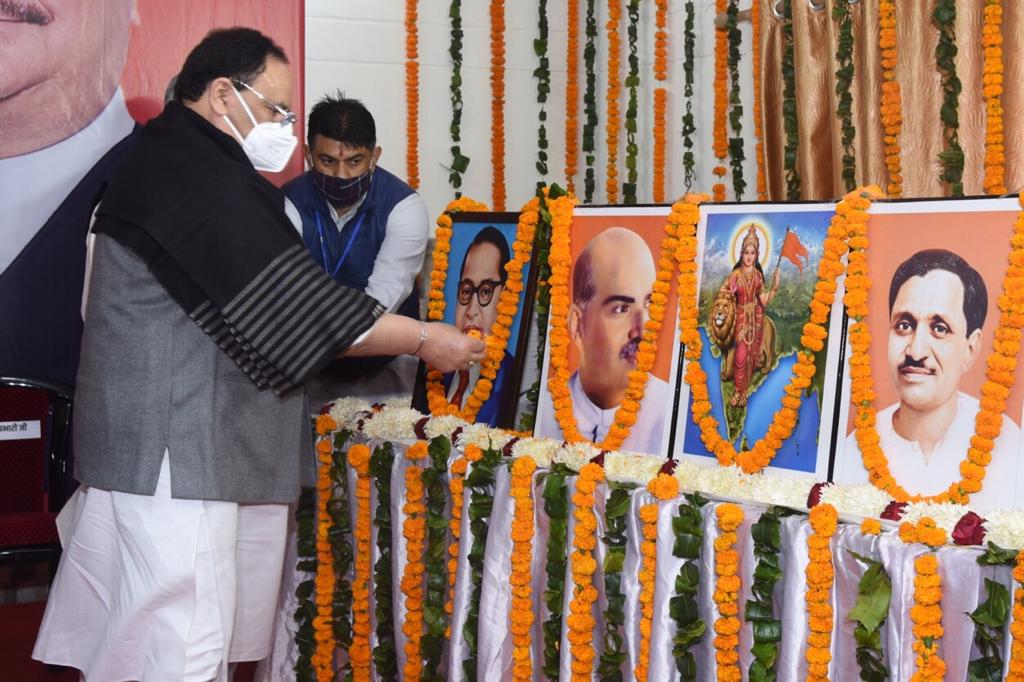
(154, 588)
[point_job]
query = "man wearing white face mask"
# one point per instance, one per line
(204, 319)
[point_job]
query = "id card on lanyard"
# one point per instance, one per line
(348, 247)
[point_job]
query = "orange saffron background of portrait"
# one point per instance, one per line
(982, 238)
(651, 228)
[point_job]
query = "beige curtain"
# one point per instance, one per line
(819, 157)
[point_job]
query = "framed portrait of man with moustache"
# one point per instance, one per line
(932, 312)
(481, 247)
(614, 254)
(757, 266)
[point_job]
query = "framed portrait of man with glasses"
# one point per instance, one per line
(481, 247)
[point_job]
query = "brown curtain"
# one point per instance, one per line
(819, 158)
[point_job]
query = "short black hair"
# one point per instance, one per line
(583, 287)
(490, 235)
(921, 263)
(343, 119)
(237, 53)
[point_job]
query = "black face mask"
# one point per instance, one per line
(342, 191)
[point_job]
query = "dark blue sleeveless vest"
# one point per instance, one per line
(368, 226)
(41, 290)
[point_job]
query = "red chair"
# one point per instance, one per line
(35, 421)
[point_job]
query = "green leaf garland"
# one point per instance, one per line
(689, 129)
(556, 506)
(305, 520)
(480, 480)
(789, 120)
(632, 82)
(874, 592)
(590, 103)
(340, 536)
(384, 658)
(760, 611)
(844, 78)
(432, 644)
(952, 157)
(460, 162)
(736, 155)
(990, 619)
(543, 75)
(689, 531)
(616, 511)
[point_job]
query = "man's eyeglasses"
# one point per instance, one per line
(484, 291)
(287, 117)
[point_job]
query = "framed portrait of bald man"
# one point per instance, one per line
(614, 254)
(481, 247)
(937, 271)
(757, 267)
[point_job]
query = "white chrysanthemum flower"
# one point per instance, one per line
(576, 455)
(1005, 527)
(483, 436)
(856, 500)
(622, 467)
(717, 480)
(397, 423)
(398, 402)
(542, 450)
(343, 411)
(787, 491)
(444, 425)
(946, 515)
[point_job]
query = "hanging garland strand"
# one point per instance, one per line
(892, 108)
(556, 506)
(660, 98)
(793, 189)
(755, 19)
(632, 82)
(952, 157)
(736, 155)
(460, 162)
(590, 103)
(689, 44)
(688, 527)
(435, 620)
(412, 95)
(611, 185)
(543, 75)
(992, 89)
(498, 103)
(616, 512)
(759, 611)
(572, 93)
(844, 79)
(384, 659)
(720, 133)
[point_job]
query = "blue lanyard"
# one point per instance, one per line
(348, 247)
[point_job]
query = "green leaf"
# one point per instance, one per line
(770, 631)
(874, 594)
(997, 556)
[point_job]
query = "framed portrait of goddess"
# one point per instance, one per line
(481, 247)
(757, 265)
(933, 309)
(613, 266)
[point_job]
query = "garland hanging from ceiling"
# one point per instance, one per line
(412, 95)
(844, 80)
(543, 76)
(590, 103)
(498, 103)
(660, 98)
(951, 159)
(572, 93)
(460, 162)
(689, 129)
(736, 155)
(633, 83)
(611, 185)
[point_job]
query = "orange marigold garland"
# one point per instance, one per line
(572, 93)
(660, 98)
(992, 89)
(926, 613)
(755, 20)
(508, 304)
(439, 258)
(498, 103)
(359, 652)
(1017, 624)
(558, 377)
(456, 486)
(812, 340)
(414, 529)
(412, 95)
(871, 527)
(892, 107)
(662, 487)
(611, 186)
(521, 576)
(582, 564)
(727, 593)
(820, 576)
(999, 373)
(720, 134)
(322, 659)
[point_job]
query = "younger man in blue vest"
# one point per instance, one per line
(366, 228)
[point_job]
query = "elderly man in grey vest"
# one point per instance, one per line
(204, 318)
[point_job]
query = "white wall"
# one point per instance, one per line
(359, 47)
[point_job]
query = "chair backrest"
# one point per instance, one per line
(35, 418)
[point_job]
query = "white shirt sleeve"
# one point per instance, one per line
(401, 254)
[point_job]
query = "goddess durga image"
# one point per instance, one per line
(738, 323)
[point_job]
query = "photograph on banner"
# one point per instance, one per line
(932, 314)
(481, 246)
(756, 267)
(614, 255)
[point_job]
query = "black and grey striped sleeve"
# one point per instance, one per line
(288, 322)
